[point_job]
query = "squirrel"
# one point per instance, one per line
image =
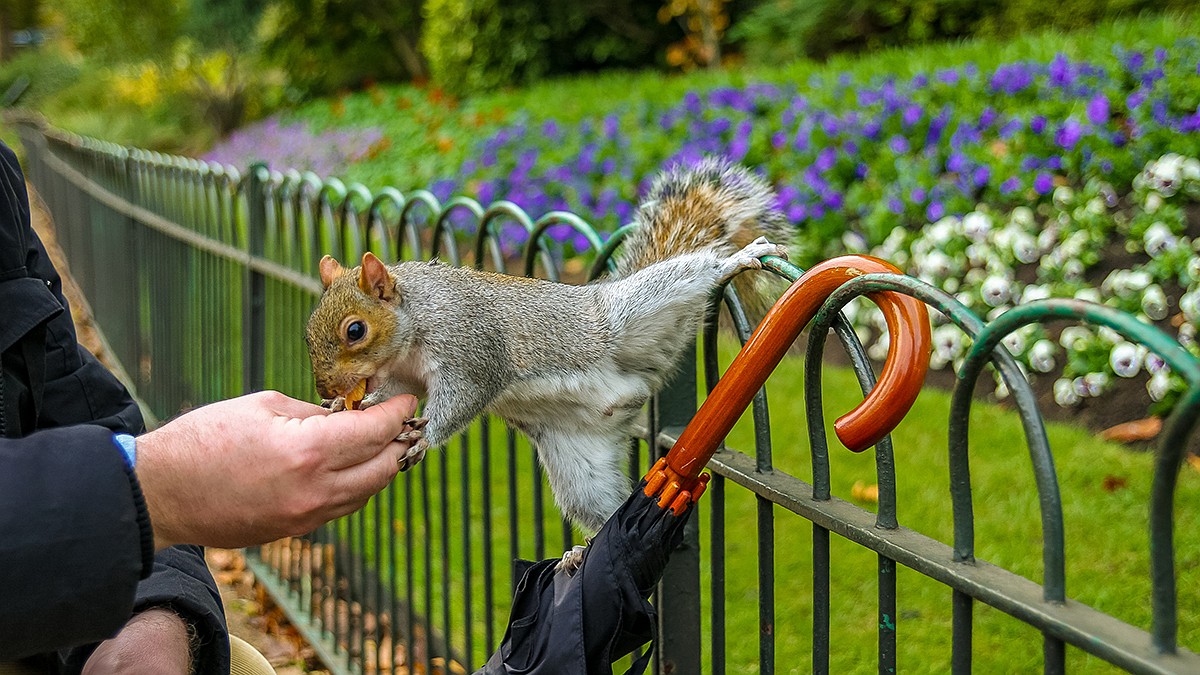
(570, 366)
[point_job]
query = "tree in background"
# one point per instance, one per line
(326, 45)
(704, 23)
(115, 31)
(15, 15)
(476, 45)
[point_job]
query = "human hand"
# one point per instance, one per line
(263, 466)
(154, 641)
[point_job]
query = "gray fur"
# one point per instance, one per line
(572, 366)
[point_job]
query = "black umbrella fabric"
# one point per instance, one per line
(584, 622)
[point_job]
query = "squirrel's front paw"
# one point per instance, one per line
(334, 404)
(415, 453)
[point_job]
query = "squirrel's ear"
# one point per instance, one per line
(374, 278)
(330, 270)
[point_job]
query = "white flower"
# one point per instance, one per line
(1154, 302)
(948, 341)
(940, 232)
(1155, 363)
(1189, 304)
(1095, 383)
(1154, 202)
(1014, 342)
(1022, 216)
(936, 265)
(1025, 248)
(1159, 385)
(1193, 266)
(1034, 292)
(1001, 389)
(1064, 393)
(1088, 295)
(1159, 239)
(1109, 335)
(1047, 238)
(1187, 334)
(854, 242)
(879, 350)
(1041, 356)
(1190, 171)
(1074, 337)
(1125, 359)
(976, 225)
(1073, 270)
(1096, 206)
(1063, 196)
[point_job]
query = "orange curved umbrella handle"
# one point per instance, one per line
(676, 477)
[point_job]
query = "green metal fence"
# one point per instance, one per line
(202, 277)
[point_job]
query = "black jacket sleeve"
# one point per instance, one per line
(76, 539)
(76, 390)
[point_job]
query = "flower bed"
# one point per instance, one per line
(999, 185)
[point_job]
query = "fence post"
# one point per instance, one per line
(254, 326)
(679, 591)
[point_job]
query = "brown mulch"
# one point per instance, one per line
(248, 609)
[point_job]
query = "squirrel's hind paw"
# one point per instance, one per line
(749, 257)
(571, 560)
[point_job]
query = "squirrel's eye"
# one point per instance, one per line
(356, 331)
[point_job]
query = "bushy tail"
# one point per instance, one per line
(715, 205)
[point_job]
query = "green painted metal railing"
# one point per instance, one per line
(202, 277)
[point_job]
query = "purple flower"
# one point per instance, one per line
(981, 176)
(935, 211)
(895, 205)
(796, 213)
(1097, 110)
(898, 144)
(778, 140)
(917, 196)
(911, 115)
(1062, 75)
(1135, 99)
(1068, 134)
(1010, 186)
(1038, 124)
(1043, 183)
(957, 162)
(947, 76)
(826, 159)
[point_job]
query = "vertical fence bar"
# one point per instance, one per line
(254, 328)
(679, 591)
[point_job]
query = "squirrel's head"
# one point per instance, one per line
(355, 329)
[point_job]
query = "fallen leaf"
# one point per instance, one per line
(1113, 483)
(1137, 430)
(865, 493)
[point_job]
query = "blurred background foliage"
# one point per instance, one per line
(178, 75)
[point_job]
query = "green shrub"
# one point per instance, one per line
(479, 45)
(327, 45)
(777, 31)
(48, 70)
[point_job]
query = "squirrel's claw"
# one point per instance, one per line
(334, 404)
(415, 454)
(416, 422)
(571, 560)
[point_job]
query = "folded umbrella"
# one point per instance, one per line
(583, 621)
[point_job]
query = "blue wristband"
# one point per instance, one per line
(128, 445)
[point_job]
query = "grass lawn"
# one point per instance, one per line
(1107, 541)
